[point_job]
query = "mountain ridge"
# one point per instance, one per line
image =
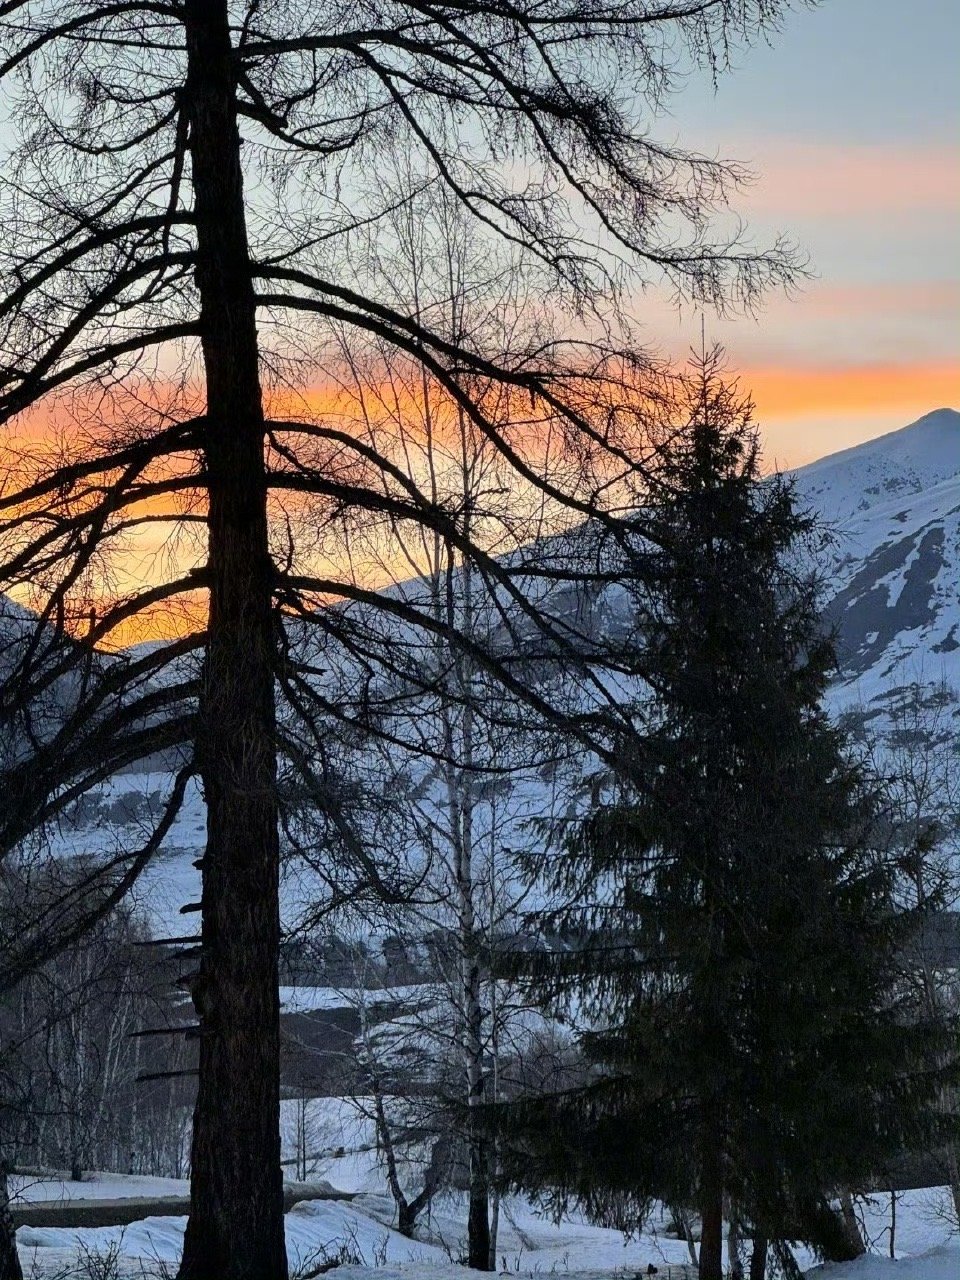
(893, 507)
(891, 577)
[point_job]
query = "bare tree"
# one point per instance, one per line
(167, 296)
(78, 1053)
(463, 757)
(84, 1038)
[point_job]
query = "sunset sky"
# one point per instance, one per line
(851, 120)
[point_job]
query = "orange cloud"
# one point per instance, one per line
(805, 411)
(790, 392)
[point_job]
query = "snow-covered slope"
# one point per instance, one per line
(893, 505)
(845, 485)
(892, 573)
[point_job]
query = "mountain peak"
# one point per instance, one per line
(941, 423)
(907, 461)
(947, 415)
(894, 505)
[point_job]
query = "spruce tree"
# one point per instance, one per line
(735, 943)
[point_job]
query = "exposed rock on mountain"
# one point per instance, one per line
(894, 507)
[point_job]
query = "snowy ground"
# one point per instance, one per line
(331, 1139)
(529, 1246)
(95, 1186)
(942, 1263)
(360, 1233)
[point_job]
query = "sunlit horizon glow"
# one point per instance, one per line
(803, 412)
(849, 120)
(809, 413)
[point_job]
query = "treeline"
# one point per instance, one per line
(91, 1045)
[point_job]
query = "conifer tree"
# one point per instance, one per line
(734, 935)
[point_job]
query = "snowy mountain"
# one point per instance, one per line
(891, 572)
(893, 505)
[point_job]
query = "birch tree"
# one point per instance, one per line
(460, 753)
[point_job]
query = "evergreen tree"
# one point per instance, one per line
(735, 939)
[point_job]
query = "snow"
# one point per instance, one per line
(894, 506)
(529, 1244)
(937, 1264)
(49, 1188)
(310, 999)
(910, 460)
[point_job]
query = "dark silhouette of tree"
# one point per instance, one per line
(735, 937)
(189, 209)
(10, 1268)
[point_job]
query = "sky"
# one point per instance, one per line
(850, 118)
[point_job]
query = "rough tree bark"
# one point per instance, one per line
(953, 1166)
(851, 1225)
(711, 1122)
(711, 1238)
(478, 1216)
(734, 1260)
(235, 1230)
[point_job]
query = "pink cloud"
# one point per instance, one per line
(833, 180)
(926, 297)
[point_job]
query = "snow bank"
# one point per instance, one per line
(529, 1244)
(938, 1264)
(94, 1186)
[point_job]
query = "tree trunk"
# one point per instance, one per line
(494, 1225)
(406, 1221)
(711, 1238)
(682, 1219)
(478, 1217)
(235, 1230)
(9, 1260)
(711, 1195)
(459, 752)
(953, 1164)
(478, 1220)
(734, 1259)
(893, 1224)
(758, 1258)
(851, 1225)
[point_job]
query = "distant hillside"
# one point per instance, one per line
(892, 578)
